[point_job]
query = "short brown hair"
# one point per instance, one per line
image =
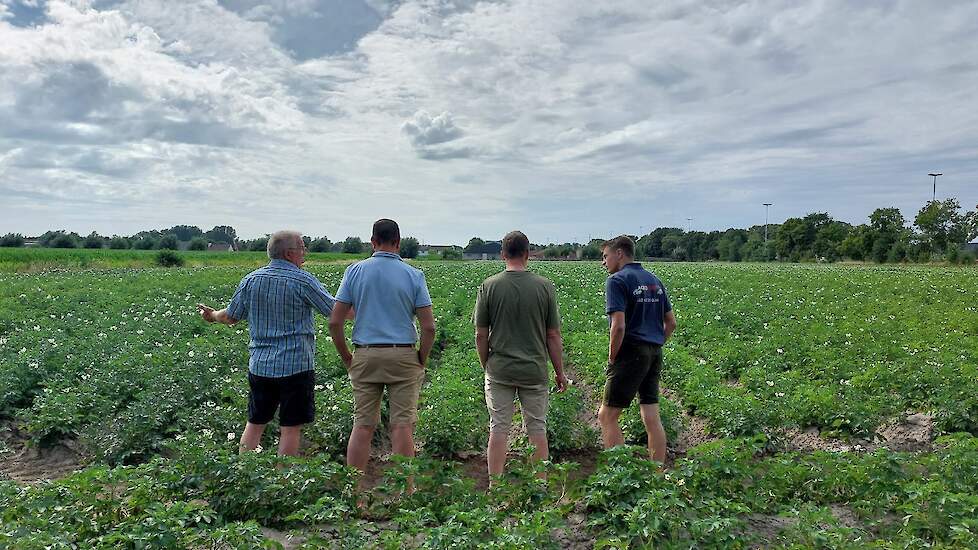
(623, 243)
(386, 231)
(515, 244)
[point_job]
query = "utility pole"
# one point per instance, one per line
(689, 224)
(935, 183)
(767, 206)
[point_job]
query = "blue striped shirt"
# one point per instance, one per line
(277, 301)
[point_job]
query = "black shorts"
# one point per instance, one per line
(635, 370)
(294, 394)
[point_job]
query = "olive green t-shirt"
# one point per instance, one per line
(518, 307)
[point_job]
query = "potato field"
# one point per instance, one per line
(806, 406)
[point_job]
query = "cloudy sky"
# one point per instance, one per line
(566, 118)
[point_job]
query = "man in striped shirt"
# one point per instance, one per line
(277, 301)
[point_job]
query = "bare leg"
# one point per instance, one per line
(250, 437)
(402, 439)
(657, 435)
(402, 443)
(288, 443)
(611, 434)
(358, 449)
(541, 450)
(496, 453)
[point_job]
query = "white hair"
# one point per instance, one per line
(280, 241)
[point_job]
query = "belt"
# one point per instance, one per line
(383, 345)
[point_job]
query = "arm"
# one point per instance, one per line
(555, 348)
(426, 318)
(617, 335)
(211, 316)
(482, 344)
(670, 324)
(336, 321)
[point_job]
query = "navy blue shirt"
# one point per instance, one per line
(643, 299)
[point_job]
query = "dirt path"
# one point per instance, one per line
(24, 463)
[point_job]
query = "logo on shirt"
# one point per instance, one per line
(642, 293)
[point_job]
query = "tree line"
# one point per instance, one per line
(189, 237)
(938, 233)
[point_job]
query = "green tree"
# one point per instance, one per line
(942, 224)
(591, 252)
(730, 245)
(12, 240)
(93, 240)
(888, 235)
(168, 242)
(474, 243)
(185, 232)
(353, 245)
(147, 242)
(197, 243)
(222, 234)
(118, 243)
(451, 254)
(409, 247)
(321, 244)
(828, 240)
(65, 240)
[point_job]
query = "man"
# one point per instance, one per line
(277, 301)
(641, 322)
(517, 329)
(387, 295)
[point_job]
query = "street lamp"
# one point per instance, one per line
(767, 206)
(689, 224)
(935, 183)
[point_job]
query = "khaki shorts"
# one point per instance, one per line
(534, 401)
(397, 369)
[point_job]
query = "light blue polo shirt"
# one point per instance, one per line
(384, 291)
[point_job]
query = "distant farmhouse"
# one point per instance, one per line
(433, 249)
(970, 247)
(486, 251)
(220, 247)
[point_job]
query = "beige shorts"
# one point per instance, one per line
(397, 369)
(534, 401)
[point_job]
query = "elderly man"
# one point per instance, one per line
(387, 295)
(277, 301)
(641, 321)
(517, 329)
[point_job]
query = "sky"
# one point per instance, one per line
(567, 119)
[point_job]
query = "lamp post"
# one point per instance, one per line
(935, 182)
(767, 206)
(689, 224)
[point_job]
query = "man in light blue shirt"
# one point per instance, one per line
(277, 301)
(387, 295)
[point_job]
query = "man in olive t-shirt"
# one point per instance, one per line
(517, 329)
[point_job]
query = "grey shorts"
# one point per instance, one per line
(534, 401)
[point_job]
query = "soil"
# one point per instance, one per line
(912, 433)
(693, 430)
(25, 463)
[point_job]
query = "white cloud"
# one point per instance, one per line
(423, 129)
(343, 111)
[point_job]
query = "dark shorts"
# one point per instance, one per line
(635, 370)
(292, 395)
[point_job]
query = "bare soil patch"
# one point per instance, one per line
(912, 433)
(693, 430)
(25, 463)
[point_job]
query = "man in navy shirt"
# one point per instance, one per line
(641, 321)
